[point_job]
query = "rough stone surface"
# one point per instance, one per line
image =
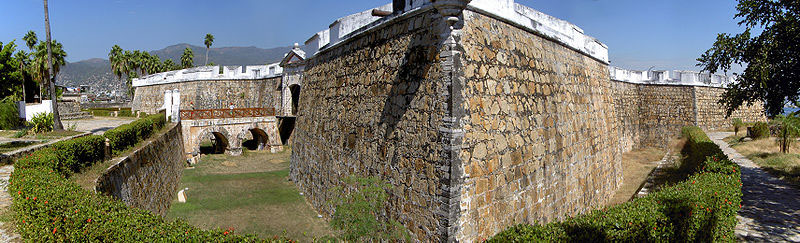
(538, 143)
(711, 115)
(5, 204)
(651, 114)
(148, 178)
(212, 94)
(376, 109)
(770, 209)
(478, 127)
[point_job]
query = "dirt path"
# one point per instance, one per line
(98, 125)
(770, 206)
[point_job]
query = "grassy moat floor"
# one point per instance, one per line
(766, 154)
(249, 193)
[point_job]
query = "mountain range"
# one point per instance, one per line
(96, 72)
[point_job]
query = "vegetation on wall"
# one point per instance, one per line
(700, 208)
(358, 212)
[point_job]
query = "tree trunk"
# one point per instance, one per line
(206, 57)
(22, 69)
(51, 75)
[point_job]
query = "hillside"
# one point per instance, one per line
(96, 72)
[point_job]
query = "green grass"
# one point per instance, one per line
(250, 193)
(7, 133)
(766, 154)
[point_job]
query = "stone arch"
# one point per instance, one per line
(220, 135)
(260, 139)
(294, 90)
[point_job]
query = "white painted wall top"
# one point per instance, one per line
(507, 10)
(211, 73)
(670, 77)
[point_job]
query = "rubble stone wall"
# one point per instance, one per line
(374, 105)
(627, 103)
(711, 115)
(664, 110)
(212, 94)
(540, 139)
(148, 177)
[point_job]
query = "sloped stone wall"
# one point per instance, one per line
(211, 94)
(627, 104)
(711, 115)
(372, 107)
(540, 139)
(148, 178)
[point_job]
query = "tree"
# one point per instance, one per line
(56, 118)
(30, 39)
(169, 65)
(209, 41)
(22, 59)
(187, 59)
(789, 131)
(10, 74)
(41, 62)
(772, 57)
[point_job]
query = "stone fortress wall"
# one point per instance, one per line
(206, 88)
(148, 177)
(539, 126)
(482, 114)
(372, 108)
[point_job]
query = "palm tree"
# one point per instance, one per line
(187, 59)
(41, 61)
(23, 59)
(56, 118)
(30, 39)
(209, 41)
(169, 65)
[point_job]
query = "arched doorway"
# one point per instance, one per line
(295, 90)
(257, 140)
(213, 143)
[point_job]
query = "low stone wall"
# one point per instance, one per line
(68, 107)
(148, 177)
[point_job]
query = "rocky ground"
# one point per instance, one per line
(770, 206)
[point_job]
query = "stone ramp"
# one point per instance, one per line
(770, 206)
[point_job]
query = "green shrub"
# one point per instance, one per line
(125, 113)
(125, 136)
(358, 212)
(41, 122)
(9, 115)
(760, 130)
(81, 152)
(101, 113)
(701, 208)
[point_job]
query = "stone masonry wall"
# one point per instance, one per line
(148, 178)
(711, 115)
(627, 103)
(374, 106)
(664, 111)
(540, 138)
(215, 94)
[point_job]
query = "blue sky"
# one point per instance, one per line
(667, 34)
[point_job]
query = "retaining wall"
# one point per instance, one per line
(148, 177)
(211, 94)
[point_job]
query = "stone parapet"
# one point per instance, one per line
(212, 94)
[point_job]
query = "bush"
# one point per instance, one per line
(41, 122)
(51, 208)
(125, 136)
(760, 130)
(125, 113)
(358, 213)
(9, 115)
(700, 208)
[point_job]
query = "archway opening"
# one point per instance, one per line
(213, 143)
(256, 140)
(295, 90)
(285, 127)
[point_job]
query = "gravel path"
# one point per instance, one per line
(97, 125)
(770, 206)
